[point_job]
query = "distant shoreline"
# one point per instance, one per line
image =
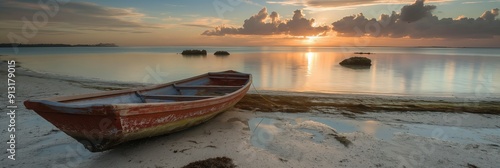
(8, 45)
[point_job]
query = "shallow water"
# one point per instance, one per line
(416, 71)
(263, 133)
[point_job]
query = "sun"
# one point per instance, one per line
(310, 39)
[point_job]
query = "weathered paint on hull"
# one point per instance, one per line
(165, 126)
(102, 132)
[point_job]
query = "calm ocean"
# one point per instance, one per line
(461, 72)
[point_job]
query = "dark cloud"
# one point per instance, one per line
(72, 15)
(346, 25)
(416, 11)
(257, 24)
(300, 26)
(275, 17)
(490, 15)
(417, 21)
(264, 24)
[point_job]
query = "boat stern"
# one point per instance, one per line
(96, 127)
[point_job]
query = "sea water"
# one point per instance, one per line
(459, 72)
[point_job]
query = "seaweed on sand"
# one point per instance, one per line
(294, 104)
(343, 140)
(218, 162)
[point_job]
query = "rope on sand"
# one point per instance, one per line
(263, 96)
(262, 119)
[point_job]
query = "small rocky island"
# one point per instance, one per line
(221, 53)
(194, 52)
(357, 61)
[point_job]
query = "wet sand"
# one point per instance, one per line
(296, 130)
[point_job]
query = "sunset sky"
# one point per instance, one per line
(454, 23)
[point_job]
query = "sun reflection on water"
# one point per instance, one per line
(310, 62)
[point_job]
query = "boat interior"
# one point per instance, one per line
(197, 88)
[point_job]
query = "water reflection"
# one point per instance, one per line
(311, 58)
(263, 134)
(222, 56)
(356, 67)
(194, 56)
(295, 71)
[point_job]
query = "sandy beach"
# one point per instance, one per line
(267, 129)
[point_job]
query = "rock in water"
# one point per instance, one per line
(221, 53)
(194, 52)
(356, 61)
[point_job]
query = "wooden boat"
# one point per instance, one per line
(103, 120)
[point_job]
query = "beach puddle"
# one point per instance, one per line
(264, 130)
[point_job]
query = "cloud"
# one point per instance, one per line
(416, 21)
(416, 11)
(73, 15)
(346, 26)
(323, 3)
(340, 4)
(275, 17)
(197, 25)
(206, 22)
(490, 15)
(264, 23)
(300, 26)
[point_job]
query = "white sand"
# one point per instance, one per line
(281, 140)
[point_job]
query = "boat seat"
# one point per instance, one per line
(227, 74)
(176, 97)
(227, 77)
(205, 87)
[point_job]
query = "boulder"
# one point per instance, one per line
(221, 53)
(194, 52)
(356, 61)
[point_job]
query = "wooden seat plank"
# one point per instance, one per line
(227, 77)
(228, 74)
(205, 87)
(176, 97)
